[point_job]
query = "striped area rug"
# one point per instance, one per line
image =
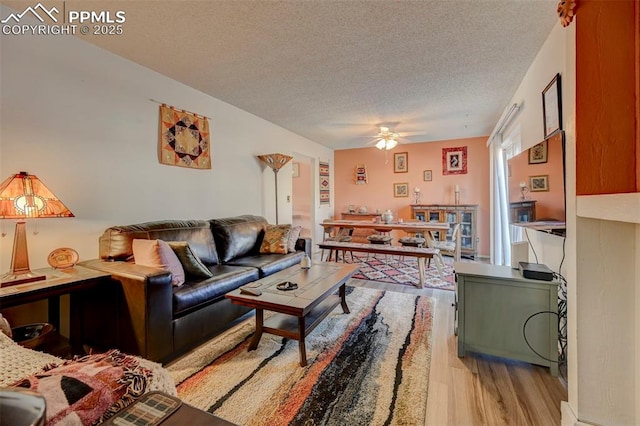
(369, 367)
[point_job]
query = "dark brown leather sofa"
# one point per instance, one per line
(151, 317)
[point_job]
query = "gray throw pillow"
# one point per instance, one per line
(190, 261)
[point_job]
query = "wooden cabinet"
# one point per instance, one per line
(523, 211)
(501, 313)
(464, 214)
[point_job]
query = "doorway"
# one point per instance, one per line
(303, 205)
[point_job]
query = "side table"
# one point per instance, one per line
(72, 281)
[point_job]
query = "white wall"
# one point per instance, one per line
(81, 119)
(557, 55)
(601, 263)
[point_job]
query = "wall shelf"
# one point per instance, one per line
(613, 207)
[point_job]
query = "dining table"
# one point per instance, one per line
(411, 227)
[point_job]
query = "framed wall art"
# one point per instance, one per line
(400, 162)
(538, 153)
(539, 183)
(454, 161)
(401, 189)
(552, 107)
(427, 175)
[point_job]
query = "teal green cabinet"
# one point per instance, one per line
(493, 305)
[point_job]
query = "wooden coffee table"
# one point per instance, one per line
(301, 310)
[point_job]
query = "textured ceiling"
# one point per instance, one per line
(332, 71)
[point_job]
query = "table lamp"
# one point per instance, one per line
(275, 161)
(523, 190)
(24, 196)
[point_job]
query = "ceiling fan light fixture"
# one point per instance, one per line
(388, 139)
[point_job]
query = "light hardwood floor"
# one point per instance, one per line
(480, 389)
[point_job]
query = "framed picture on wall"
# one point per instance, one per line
(552, 107)
(538, 153)
(400, 162)
(454, 161)
(400, 189)
(539, 183)
(427, 175)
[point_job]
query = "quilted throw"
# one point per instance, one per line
(90, 389)
(184, 139)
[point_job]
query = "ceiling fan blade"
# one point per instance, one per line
(414, 133)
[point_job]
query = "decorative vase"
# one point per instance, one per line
(387, 216)
(305, 263)
(362, 209)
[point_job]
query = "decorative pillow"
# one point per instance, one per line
(293, 237)
(276, 239)
(158, 254)
(190, 261)
(89, 390)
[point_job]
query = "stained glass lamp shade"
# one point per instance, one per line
(276, 162)
(24, 196)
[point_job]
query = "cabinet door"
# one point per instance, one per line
(451, 217)
(466, 229)
(434, 216)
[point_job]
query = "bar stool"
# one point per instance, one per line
(343, 235)
(379, 239)
(415, 241)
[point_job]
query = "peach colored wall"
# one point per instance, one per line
(550, 204)
(378, 193)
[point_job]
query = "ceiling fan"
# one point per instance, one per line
(388, 139)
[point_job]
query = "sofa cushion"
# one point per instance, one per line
(237, 236)
(191, 263)
(116, 241)
(158, 254)
(293, 237)
(196, 293)
(276, 239)
(269, 264)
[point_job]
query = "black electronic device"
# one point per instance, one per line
(536, 271)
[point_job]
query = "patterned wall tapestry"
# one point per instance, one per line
(325, 188)
(184, 139)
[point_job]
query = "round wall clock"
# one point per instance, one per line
(63, 257)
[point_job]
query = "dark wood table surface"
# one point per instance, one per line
(302, 309)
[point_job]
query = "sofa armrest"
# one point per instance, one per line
(145, 308)
(304, 244)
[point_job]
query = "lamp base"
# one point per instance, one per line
(20, 271)
(14, 279)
